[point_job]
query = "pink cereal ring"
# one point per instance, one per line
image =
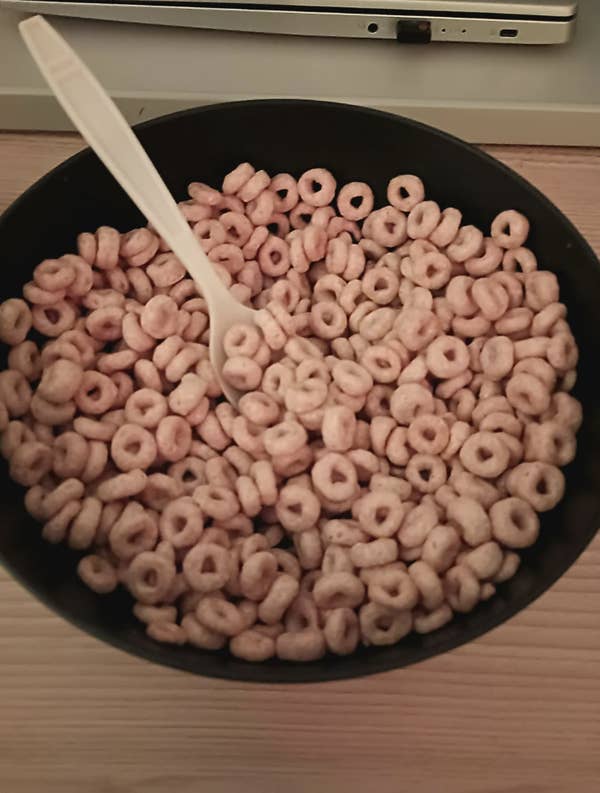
(487, 262)
(297, 508)
(105, 324)
(447, 229)
(516, 320)
(146, 407)
(306, 396)
(497, 357)
(237, 227)
(485, 455)
(352, 378)
(15, 321)
(173, 438)
(30, 462)
(408, 401)
(285, 190)
(387, 227)
(55, 319)
(541, 289)
(35, 294)
(334, 476)
(405, 192)
(159, 317)
(54, 275)
(519, 260)
(428, 434)
(98, 574)
(527, 393)
(260, 209)
(263, 475)
(426, 472)
(122, 486)
(259, 408)
(164, 270)
(382, 363)
(108, 244)
(328, 320)
(316, 187)
(467, 244)
(416, 328)
(274, 257)
(181, 522)
(97, 457)
(355, 201)
(149, 577)
(515, 523)
(46, 412)
(338, 428)
(132, 447)
(431, 270)
(242, 373)
(423, 219)
(288, 437)
(25, 358)
(254, 186)
(380, 284)
(134, 336)
(84, 278)
(70, 455)
(60, 381)
(447, 357)
(380, 513)
(540, 484)
(491, 297)
(206, 567)
(96, 393)
(204, 194)
(510, 229)
(237, 178)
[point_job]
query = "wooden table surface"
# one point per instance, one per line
(517, 711)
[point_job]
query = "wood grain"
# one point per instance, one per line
(517, 711)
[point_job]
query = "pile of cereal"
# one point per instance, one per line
(406, 411)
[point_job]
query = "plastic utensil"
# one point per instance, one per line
(101, 123)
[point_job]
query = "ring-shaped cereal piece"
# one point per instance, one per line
(206, 567)
(316, 187)
(410, 400)
(527, 393)
(540, 484)
(426, 472)
(334, 476)
(510, 229)
(133, 447)
(428, 434)
(405, 191)
(96, 393)
(383, 626)
(387, 227)
(447, 357)
(355, 201)
(380, 513)
(484, 454)
(515, 523)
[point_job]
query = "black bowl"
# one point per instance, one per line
(356, 144)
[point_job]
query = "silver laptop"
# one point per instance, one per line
(407, 21)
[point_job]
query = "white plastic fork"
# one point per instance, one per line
(100, 122)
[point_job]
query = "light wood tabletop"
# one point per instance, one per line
(517, 711)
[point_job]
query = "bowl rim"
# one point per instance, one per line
(339, 668)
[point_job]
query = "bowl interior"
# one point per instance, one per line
(356, 144)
